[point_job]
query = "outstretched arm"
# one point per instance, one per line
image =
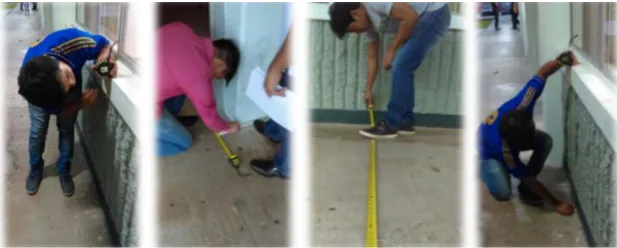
(549, 68)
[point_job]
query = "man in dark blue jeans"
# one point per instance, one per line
(277, 75)
(418, 27)
(50, 80)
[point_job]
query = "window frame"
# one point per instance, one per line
(117, 52)
(596, 56)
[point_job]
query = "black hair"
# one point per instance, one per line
(39, 82)
(340, 17)
(517, 128)
(228, 52)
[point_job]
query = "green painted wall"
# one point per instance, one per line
(589, 160)
(337, 74)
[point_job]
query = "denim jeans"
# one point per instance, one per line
(495, 175)
(172, 138)
(39, 123)
(429, 29)
(278, 133)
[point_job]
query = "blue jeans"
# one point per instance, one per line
(278, 133)
(39, 123)
(496, 177)
(430, 28)
(172, 138)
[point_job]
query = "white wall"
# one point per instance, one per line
(548, 32)
(258, 29)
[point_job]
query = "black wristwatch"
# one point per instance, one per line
(566, 58)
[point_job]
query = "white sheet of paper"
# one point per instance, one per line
(276, 107)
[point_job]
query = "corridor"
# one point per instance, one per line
(47, 218)
(505, 70)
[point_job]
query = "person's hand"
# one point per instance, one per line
(388, 58)
(574, 59)
(112, 60)
(272, 81)
(234, 127)
(88, 97)
(565, 209)
(368, 97)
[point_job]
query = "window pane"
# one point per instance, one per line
(131, 41)
(87, 14)
(110, 20)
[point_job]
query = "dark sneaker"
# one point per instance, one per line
(32, 183)
(67, 185)
(406, 130)
(380, 131)
(265, 168)
(528, 197)
(260, 126)
(188, 121)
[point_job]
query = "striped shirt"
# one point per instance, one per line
(492, 145)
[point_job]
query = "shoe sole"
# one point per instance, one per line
(69, 194)
(32, 192)
(267, 175)
(373, 136)
(406, 133)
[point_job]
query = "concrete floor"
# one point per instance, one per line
(48, 218)
(204, 202)
(505, 71)
(417, 187)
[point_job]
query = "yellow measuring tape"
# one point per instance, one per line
(371, 206)
(234, 160)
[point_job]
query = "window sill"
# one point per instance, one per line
(599, 95)
(319, 11)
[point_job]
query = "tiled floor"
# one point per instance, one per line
(505, 71)
(48, 218)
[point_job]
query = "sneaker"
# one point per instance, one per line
(406, 130)
(32, 183)
(528, 197)
(260, 126)
(67, 185)
(188, 121)
(381, 130)
(266, 168)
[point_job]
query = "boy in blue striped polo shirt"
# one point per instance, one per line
(509, 130)
(50, 81)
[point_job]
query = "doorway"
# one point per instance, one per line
(196, 15)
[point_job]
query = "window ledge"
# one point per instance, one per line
(598, 94)
(319, 11)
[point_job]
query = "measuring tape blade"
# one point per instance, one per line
(371, 203)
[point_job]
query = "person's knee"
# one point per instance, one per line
(548, 142)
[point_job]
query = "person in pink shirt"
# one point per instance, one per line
(187, 66)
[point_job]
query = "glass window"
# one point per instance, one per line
(129, 44)
(109, 20)
(595, 25)
(117, 22)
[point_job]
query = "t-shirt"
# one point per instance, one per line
(379, 14)
(184, 68)
(492, 145)
(71, 46)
